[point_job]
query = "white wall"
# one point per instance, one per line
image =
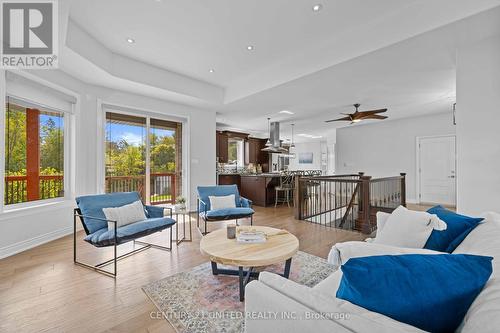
(388, 147)
(32, 226)
(478, 127)
(306, 147)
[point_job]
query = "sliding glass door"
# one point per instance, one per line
(143, 154)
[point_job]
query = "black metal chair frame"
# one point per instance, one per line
(225, 218)
(98, 268)
(287, 186)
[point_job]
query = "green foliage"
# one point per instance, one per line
(125, 159)
(51, 146)
(51, 157)
(15, 140)
(162, 153)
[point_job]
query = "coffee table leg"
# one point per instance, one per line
(215, 270)
(242, 283)
(286, 273)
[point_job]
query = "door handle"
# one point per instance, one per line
(451, 176)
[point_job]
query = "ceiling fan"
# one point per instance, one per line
(360, 115)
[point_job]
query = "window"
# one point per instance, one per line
(147, 163)
(34, 153)
(235, 152)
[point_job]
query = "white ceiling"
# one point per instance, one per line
(315, 64)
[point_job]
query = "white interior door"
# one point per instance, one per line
(437, 169)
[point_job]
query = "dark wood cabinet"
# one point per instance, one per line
(253, 149)
(259, 189)
(230, 180)
(254, 188)
(255, 154)
(222, 147)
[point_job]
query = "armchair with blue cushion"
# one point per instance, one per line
(242, 209)
(90, 212)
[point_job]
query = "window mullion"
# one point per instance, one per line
(147, 199)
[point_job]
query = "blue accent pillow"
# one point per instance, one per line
(431, 292)
(458, 227)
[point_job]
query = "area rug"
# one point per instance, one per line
(197, 301)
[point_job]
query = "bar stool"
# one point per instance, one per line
(286, 187)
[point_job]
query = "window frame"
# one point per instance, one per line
(105, 107)
(68, 136)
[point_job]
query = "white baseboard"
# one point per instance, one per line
(24, 245)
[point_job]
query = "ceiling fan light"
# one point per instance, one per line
(356, 120)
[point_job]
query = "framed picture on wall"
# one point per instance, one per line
(305, 158)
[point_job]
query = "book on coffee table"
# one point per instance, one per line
(251, 237)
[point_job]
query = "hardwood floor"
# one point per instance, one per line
(42, 290)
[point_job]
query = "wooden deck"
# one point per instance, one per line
(42, 290)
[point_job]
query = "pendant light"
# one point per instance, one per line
(268, 142)
(292, 146)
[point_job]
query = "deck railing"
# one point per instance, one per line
(16, 188)
(347, 201)
(162, 187)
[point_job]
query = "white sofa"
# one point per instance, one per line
(275, 304)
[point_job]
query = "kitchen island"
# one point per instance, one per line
(257, 187)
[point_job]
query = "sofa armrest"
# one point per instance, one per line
(342, 252)
(155, 211)
(244, 202)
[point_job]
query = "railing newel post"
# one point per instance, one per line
(403, 188)
(363, 222)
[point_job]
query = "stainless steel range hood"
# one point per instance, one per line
(274, 137)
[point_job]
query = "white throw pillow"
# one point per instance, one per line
(222, 202)
(381, 219)
(124, 215)
(408, 228)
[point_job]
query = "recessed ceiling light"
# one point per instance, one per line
(309, 136)
(211, 70)
(317, 7)
(130, 40)
(250, 47)
(286, 112)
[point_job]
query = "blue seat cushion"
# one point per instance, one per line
(458, 227)
(431, 292)
(92, 205)
(105, 237)
(228, 213)
(217, 191)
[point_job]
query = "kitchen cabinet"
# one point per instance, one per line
(255, 155)
(230, 180)
(252, 147)
(222, 147)
(259, 188)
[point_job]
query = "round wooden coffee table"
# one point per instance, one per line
(280, 246)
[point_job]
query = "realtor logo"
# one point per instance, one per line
(29, 34)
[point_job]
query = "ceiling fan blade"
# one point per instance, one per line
(374, 116)
(372, 112)
(340, 119)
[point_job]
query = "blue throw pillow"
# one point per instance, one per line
(458, 227)
(431, 292)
